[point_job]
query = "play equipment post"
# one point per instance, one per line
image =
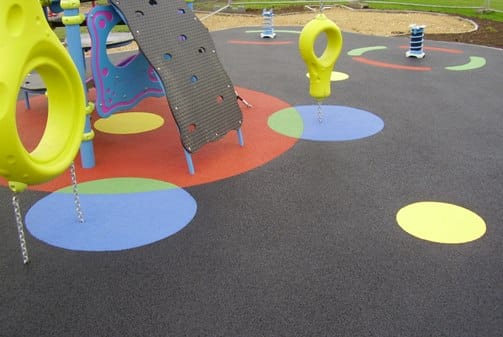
(190, 4)
(320, 68)
(72, 20)
(416, 41)
(268, 26)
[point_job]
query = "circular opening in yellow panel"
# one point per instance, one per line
(129, 123)
(441, 222)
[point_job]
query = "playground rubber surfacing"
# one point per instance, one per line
(303, 242)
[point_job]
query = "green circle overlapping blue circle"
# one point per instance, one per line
(119, 213)
(332, 123)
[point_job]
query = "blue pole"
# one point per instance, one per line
(72, 20)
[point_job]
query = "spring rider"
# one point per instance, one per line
(320, 68)
(416, 41)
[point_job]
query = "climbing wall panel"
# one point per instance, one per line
(179, 47)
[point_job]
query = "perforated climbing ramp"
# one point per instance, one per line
(179, 47)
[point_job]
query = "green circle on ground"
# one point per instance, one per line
(287, 122)
(121, 185)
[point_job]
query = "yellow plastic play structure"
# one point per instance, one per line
(320, 69)
(27, 44)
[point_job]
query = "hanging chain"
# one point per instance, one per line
(76, 197)
(20, 229)
(319, 113)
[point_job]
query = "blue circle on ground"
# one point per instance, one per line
(338, 123)
(113, 221)
(333, 123)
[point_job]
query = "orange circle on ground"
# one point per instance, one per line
(158, 154)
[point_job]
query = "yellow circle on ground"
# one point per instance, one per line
(129, 123)
(441, 222)
(336, 76)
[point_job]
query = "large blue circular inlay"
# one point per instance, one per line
(338, 123)
(325, 123)
(113, 221)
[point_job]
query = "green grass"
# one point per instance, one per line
(494, 4)
(468, 12)
(424, 5)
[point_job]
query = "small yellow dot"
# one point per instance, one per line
(336, 76)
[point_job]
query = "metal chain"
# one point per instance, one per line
(319, 113)
(20, 229)
(76, 197)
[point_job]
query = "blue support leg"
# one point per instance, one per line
(190, 164)
(240, 137)
(27, 99)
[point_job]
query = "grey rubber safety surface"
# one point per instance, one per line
(180, 48)
(306, 245)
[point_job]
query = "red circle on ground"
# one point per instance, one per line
(158, 154)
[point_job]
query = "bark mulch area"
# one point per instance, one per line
(489, 33)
